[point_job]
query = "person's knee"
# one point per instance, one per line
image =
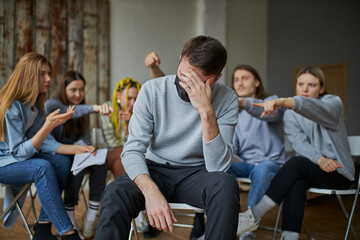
(62, 162)
(44, 168)
(225, 183)
(121, 188)
(265, 169)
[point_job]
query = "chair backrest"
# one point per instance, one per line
(354, 142)
(97, 138)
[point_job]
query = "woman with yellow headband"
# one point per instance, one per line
(115, 127)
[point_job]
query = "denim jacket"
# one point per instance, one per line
(17, 145)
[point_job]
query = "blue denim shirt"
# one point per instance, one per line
(17, 145)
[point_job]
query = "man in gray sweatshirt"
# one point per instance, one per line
(179, 145)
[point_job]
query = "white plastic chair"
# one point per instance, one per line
(187, 207)
(173, 206)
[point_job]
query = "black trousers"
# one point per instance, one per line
(216, 192)
(98, 174)
(291, 184)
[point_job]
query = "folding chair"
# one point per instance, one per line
(173, 206)
(354, 142)
(187, 207)
(15, 203)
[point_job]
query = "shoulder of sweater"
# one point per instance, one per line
(51, 102)
(330, 97)
(220, 88)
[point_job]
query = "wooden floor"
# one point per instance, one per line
(323, 218)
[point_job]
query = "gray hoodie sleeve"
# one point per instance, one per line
(257, 111)
(324, 111)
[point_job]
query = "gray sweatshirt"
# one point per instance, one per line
(259, 139)
(165, 129)
(315, 128)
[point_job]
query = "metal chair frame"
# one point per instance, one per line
(14, 202)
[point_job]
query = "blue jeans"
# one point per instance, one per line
(260, 175)
(49, 173)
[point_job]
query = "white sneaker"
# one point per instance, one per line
(247, 222)
(88, 228)
(247, 236)
(202, 237)
(142, 224)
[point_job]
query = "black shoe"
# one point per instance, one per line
(152, 232)
(73, 236)
(43, 232)
(199, 226)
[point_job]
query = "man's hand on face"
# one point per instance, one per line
(199, 91)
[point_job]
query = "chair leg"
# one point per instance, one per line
(133, 229)
(15, 199)
(19, 208)
(352, 212)
(307, 232)
(32, 198)
(346, 214)
(277, 221)
(82, 191)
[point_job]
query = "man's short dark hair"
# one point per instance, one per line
(206, 53)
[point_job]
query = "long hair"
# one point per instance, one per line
(260, 91)
(23, 85)
(72, 127)
(316, 72)
(122, 85)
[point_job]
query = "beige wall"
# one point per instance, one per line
(247, 35)
(140, 26)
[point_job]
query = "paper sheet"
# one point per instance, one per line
(98, 159)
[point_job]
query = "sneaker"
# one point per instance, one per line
(199, 226)
(75, 227)
(246, 222)
(142, 224)
(247, 236)
(202, 237)
(88, 228)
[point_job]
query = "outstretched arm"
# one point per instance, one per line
(271, 105)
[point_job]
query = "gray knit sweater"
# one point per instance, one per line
(167, 130)
(316, 128)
